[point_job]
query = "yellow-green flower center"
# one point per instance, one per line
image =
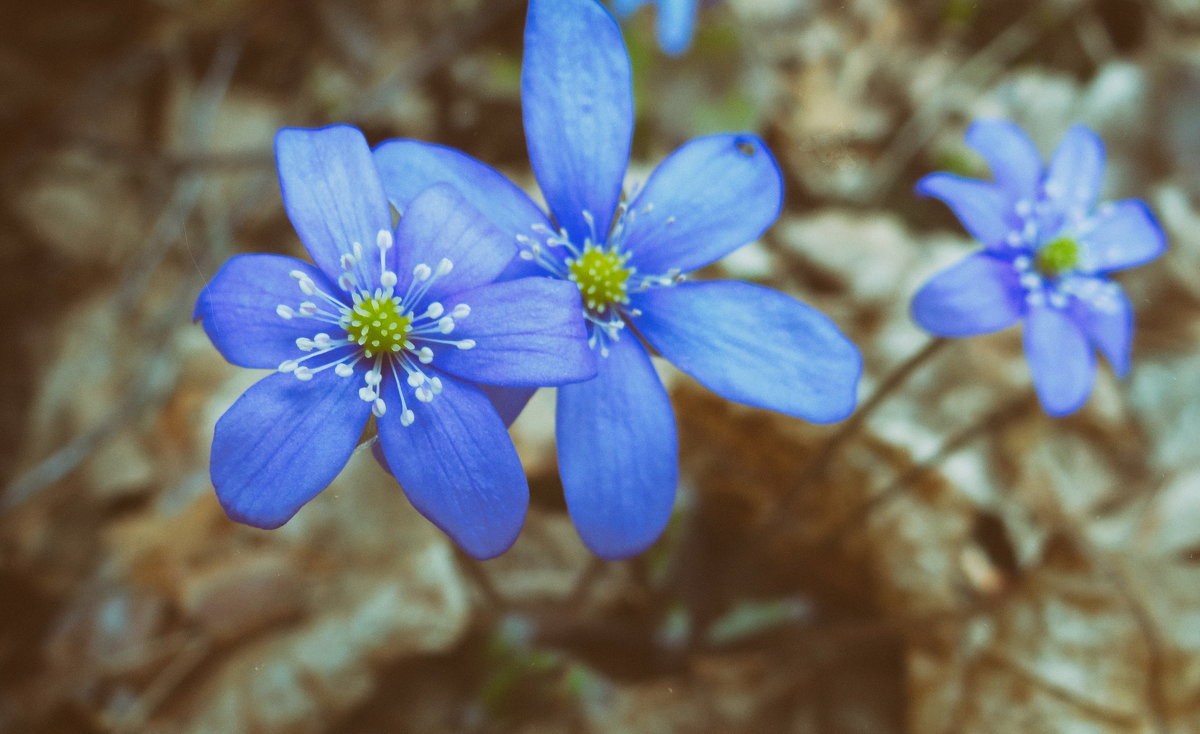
(601, 276)
(1058, 256)
(378, 326)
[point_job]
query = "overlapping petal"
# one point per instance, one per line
(1011, 155)
(527, 333)
(508, 401)
(617, 453)
(676, 24)
(1109, 326)
(981, 206)
(282, 442)
(440, 224)
(1060, 359)
(332, 194)
(711, 196)
(577, 97)
(977, 295)
(1076, 170)
(754, 345)
(458, 466)
(1122, 235)
(238, 309)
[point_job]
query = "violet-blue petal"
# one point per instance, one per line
(440, 224)
(711, 196)
(617, 453)
(1109, 325)
(1122, 235)
(977, 295)
(754, 345)
(577, 97)
(981, 206)
(282, 442)
(457, 466)
(508, 401)
(527, 333)
(332, 194)
(1076, 170)
(676, 24)
(1014, 160)
(238, 309)
(1060, 359)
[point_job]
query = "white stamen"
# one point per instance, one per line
(446, 325)
(378, 408)
(388, 279)
(461, 311)
(424, 394)
(436, 384)
(287, 365)
(465, 344)
(322, 340)
(284, 311)
(415, 379)
(425, 355)
(347, 262)
(343, 370)
(383, 240)
(373, 378)
(367, 395)
(434, 311)
(407, 418)
(346, 281)
(444, 267)
(422, 272)
(307, 286)
(308, 308)
(303, 373)
(304, 344)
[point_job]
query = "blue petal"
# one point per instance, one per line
(528, 333)
(458, 466)
(977, 295)
(1109, 325)
(754, 345)
(1076, 170)
(332, 194)
(676, 23)
(1122, 235)
(440, 224)
(625, 7)
(577, 95)
(282, 442)
(237, 309)
(508, 401)
(1060, 360)
(617, 453)
(711, 196)
(1012, 156)
(982, 207)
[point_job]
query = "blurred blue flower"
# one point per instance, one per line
(676, 21)
(397, 323)
(616, 436)
(1048, 248)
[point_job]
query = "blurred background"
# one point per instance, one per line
(965, 564)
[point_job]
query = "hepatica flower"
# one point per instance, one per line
(616, 436)
(1048, 249)
(398, 323)
(676, 21)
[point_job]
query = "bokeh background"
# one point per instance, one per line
(963, 564)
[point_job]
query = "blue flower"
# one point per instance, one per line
(629, 257)
(676, 21)
(392, 322)
(1048, 249)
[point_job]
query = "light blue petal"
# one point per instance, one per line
(527, 333)
(1076, 170)
(1012, 156)
(457, 466)
(981, 206)
(237, 309)
(617, 453)
(440, 224)
(710, 197)
(1109, 325)
(577, 96)
(754, 345)
(1060, 360)
(625, 7)
(282, 442)
(977, 295)
(1122, 235)
(332, 194)
(676, 23)
(508, 401)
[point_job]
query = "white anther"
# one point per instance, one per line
(465, 344)
(343, 370)
(425, 355)
(346, 281)
(347, 262)
(436, 384)
(378, 408)
(287, 365)
(1058, 300)
(407, 418)
(383, 240)
(444, 267)
(415, 379)
(526, 255)
(308, 308)
(388, 279)
(356, 248)
(1023, 208)
(284, 311)
(298, 274)
(422, 272)
(424, 394)
(307, 286)
(367, 395)
(322, 340)
(434, 311)
(1023, 262)
(303, 373)
(445, 324)
(461, 311)
(305, 344)
(373, 378)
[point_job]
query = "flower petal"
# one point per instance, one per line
(625, 7)
(332, 194)
(282, 442)
(458, 466)
(1012, 156)
(440, 224)
(577, 96)
(528, 333)
(676, 23)
(508, 401)
(754, 345)
(1108, 323)
(977, 295)
(1076, 170)
(708, 198)
(617, 453)
(1122, 235)
(237, 309)
(1060, 360)
(981, 206)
